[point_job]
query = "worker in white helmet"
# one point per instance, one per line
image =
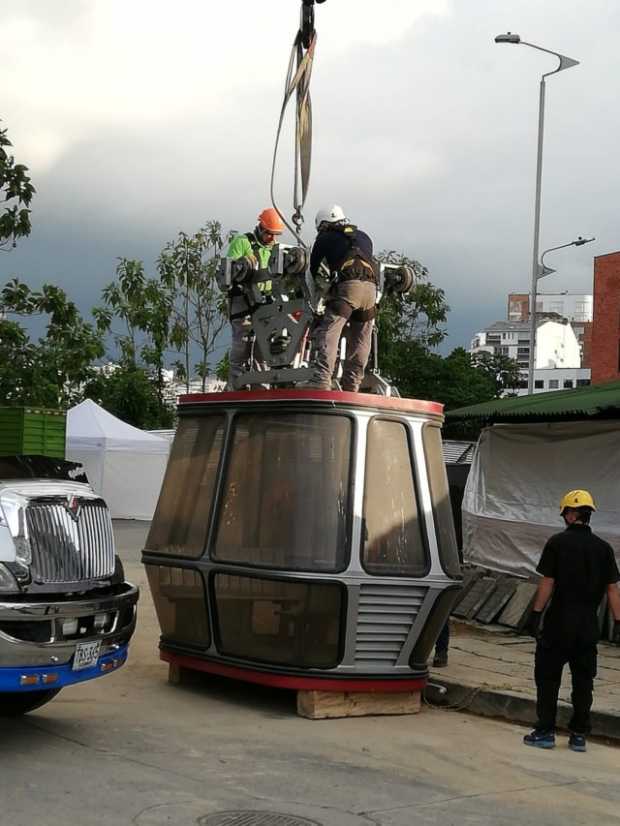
(351, 300)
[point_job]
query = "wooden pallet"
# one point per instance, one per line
(319, 705)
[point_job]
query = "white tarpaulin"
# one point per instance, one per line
(518, 476)
(124, 465)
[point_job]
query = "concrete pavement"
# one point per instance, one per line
(491, 671)
(131, 749)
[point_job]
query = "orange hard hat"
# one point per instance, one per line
(270, 220)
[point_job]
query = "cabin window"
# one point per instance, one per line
(440, 495)
(285, 501)
(278, 621)
(181, 605)
(181, 519)
(393, 540)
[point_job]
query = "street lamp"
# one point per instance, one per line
(565, 63)
(543, 270)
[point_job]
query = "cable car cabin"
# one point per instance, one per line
(304, 539)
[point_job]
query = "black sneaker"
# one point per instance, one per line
(577, 742)
(441, 659)
(540, 739)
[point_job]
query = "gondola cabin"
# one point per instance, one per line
(304, 539)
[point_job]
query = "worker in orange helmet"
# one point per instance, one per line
(256, 248)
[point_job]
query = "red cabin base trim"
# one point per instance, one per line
(335, 396)
(298, 683)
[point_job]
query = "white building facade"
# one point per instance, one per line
(558, 353)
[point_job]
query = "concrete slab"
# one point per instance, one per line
(480, 592)
(517, 611)
(503, 593)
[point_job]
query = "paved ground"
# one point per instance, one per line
(130, 749)
(492, 672)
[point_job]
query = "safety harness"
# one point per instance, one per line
(357, 265)
(237, 290)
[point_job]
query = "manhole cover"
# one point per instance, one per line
(249, 818)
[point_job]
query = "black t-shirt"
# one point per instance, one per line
(334, 246)
(582, 565)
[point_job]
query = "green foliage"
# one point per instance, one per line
(144, 307)
(49, 372)
(16, 191)
(408, 328)
(503, 372)
(419, 316)
(130, 394)
(222, 370)
(187, 267)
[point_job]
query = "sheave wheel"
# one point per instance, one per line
(15, 703)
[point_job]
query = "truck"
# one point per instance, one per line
(67, 613)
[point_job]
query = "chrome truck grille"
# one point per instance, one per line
(70, 544)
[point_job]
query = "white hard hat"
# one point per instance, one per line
(330, 215)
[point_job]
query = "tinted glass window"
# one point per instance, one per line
(290, 623)
(181, 519)
(285, 501)
(442, 511)
(393, 542)
(181, 605)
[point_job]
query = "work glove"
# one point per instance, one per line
(615, 636)
(532, 626)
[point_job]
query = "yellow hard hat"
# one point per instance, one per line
(577, 499)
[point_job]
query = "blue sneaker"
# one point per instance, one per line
(540, 739)
(577, 742)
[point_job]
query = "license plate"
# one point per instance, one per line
(86, 655)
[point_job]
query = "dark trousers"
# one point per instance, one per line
(550, 661)
(443, 640)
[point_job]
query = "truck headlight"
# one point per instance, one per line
(8, 583)
(13, 517)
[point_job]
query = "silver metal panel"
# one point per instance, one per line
(70, 547)
(384, 619)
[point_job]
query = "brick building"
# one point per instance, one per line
(605, 347)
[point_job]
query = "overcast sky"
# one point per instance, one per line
(141, 118)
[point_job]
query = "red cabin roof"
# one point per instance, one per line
(334, 396)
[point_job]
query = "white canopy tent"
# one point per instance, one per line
(518, 476)
(124, 465)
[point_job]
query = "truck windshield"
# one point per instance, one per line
(286, 493)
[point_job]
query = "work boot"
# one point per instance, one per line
(441, 659)
(540, 739)
(577, 742)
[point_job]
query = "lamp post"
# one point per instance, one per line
(565, 63)
(541, 272)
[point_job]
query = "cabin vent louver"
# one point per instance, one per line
(385, 616)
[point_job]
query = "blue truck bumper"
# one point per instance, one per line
(12, 679)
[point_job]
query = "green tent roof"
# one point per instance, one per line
(600, 401)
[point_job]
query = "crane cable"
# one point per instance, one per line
(298, 77)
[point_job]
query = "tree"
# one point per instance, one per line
(130, 394)
(187, 267)
(145, 308)
(407, 327)
(16, 191)
(51, 371)
(504, 372)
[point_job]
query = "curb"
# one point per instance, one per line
(508, 706)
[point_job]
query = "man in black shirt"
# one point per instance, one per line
(578, 569)
(348, 253)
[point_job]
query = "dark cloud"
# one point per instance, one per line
(426, 135)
